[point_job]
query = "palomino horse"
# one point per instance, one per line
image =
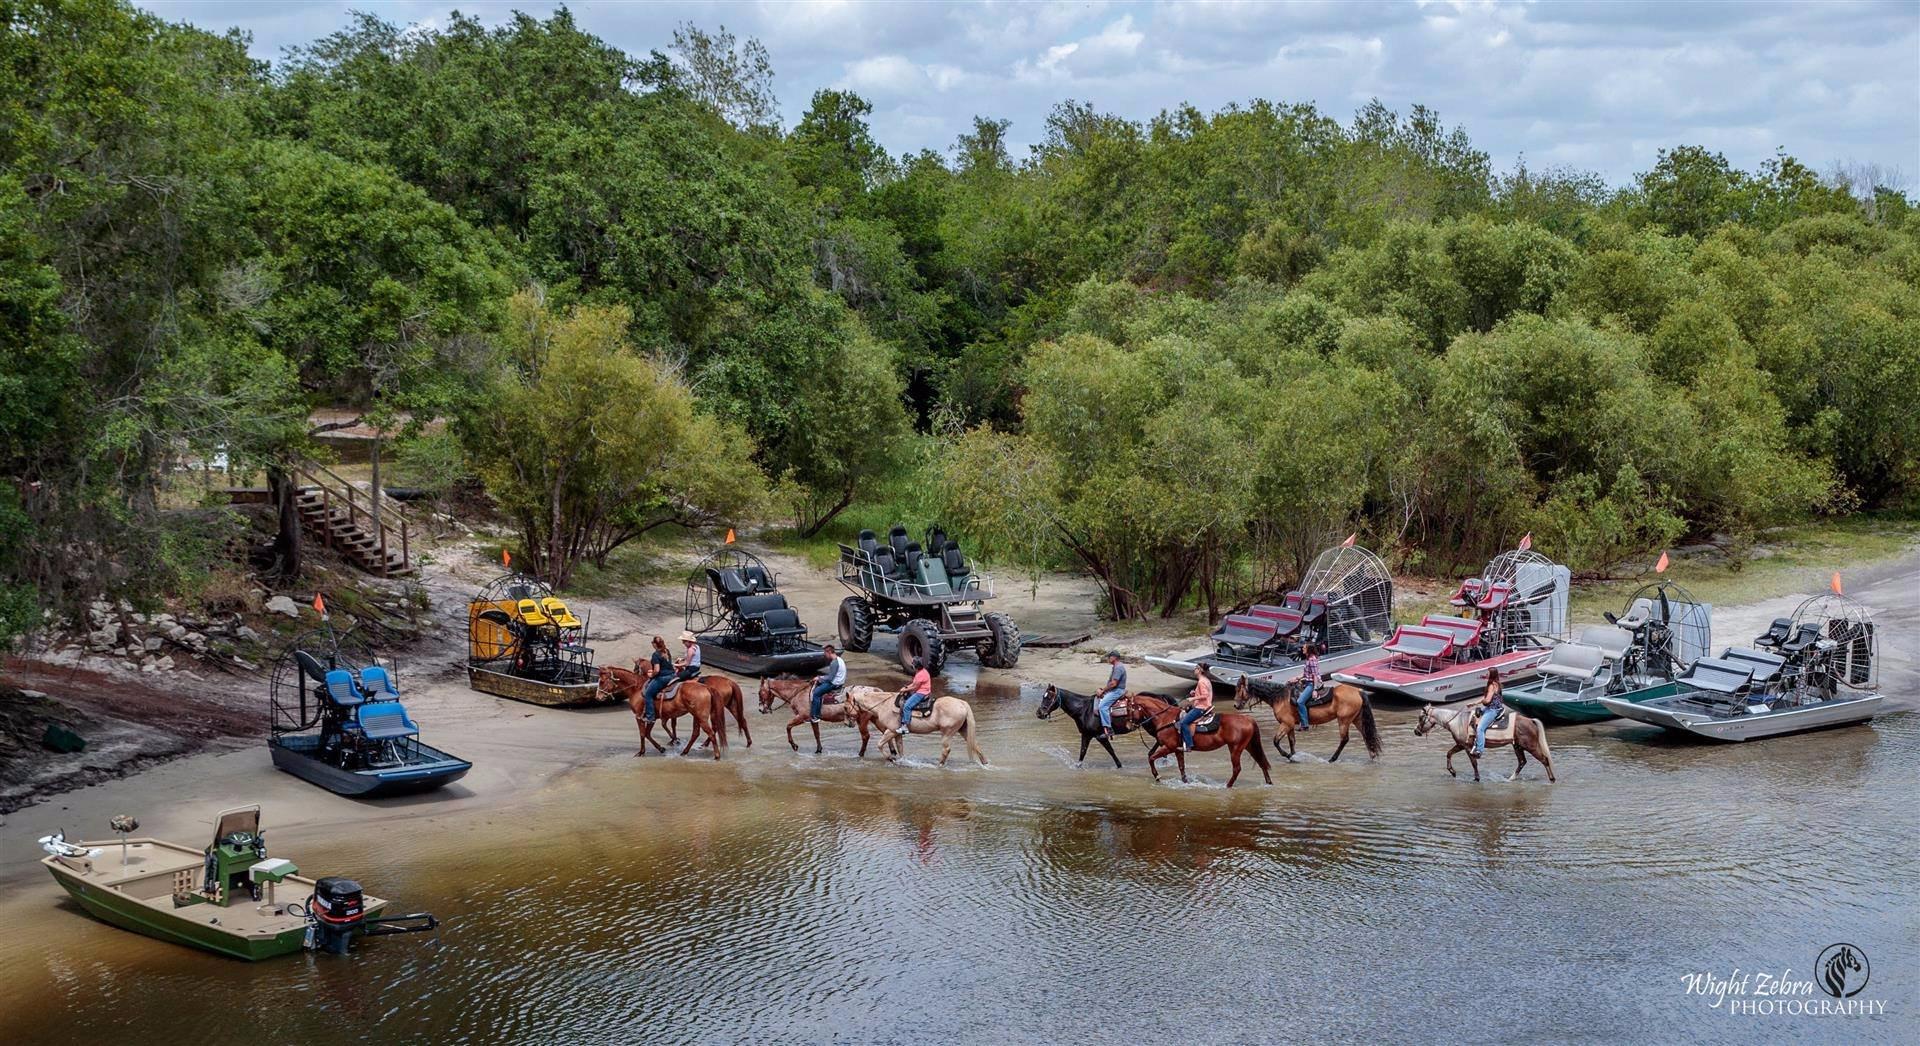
(1524, 734)
(797, 694)
(950, 716)
(707, 706)
(1081, 710)
(1237, 733)
(736, 701)
(1350, 704)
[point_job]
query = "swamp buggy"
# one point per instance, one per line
(927, 593)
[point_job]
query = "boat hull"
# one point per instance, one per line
(1562, 709)
(1228, 671)
(1451, 683)
(746, 663)
(437, 769)
(1750, 726)
(534, 692)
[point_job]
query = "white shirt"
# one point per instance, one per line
(837, 671)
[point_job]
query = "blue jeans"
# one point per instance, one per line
(1480, 733)
(906, 709)
(1104, 705)
(1306, 694)
(819, 694)
(1187, 719)
(651, 691)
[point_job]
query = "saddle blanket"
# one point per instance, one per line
(1502, 728)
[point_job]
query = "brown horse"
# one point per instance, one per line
(797, 694)
(724, 685)
(707, 707)
(1237, 733)
(1523, 733)
(1350, 705)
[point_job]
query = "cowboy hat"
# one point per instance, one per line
(686, 636)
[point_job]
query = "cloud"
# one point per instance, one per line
(1112, 51)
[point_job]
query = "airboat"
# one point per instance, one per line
(1344, 602)
(524, 643)
(336, 720)
(1816, 669)
(1636, 655)
(743, 624)
(927, 593)
(221, 898)
(1507, 621)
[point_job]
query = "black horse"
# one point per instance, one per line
(1080, 707)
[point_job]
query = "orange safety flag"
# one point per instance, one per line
(506, 558)
(1661, 567)
(1527, 541)
(1836, 584)
(320, 603)
(729, 536)
(1349, 542)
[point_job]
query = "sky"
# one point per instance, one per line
(1595, 86)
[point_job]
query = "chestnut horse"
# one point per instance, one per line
(730, 690)
(1237, 733)
(797, 694)
(708, 708)
(1523, 733)
(1350, 705)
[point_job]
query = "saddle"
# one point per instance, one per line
(1322, 695)
(1208, 723)
(924, 710)
(834, 696)
(1502, 725)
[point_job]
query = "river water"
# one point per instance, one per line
(784, 897)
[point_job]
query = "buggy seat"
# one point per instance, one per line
(1719, 676)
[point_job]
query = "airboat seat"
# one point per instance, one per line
(1468, 593)
(1316, 611)
(1807, 636)
(783, 622)
(1294, 600)
(1612, 640)
(759, 606)
(1419, 641)
(728, 583)
(558, 611)
(1576, 661)
(531, 614)
(1244, 630)
(1465, 631)
(1638, 614)
(386, 721)
(1776, 633)
(518, 592)
(1496, 596)
(1766, 667)
(1719, 676)
(756, 579)
(376, 681)
(342, 690)
(1285, 622)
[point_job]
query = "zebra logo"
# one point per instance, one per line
(1842, 970)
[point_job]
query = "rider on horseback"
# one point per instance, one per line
(662, 672)
(831, 678)
(1115, 690)
(915, 692)
(1201, 704)
(689, 669)
(1308, 680)
(1491, 706)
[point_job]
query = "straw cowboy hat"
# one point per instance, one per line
(687, 637)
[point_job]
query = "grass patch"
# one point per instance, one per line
(632, 565)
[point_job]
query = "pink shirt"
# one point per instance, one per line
(1202, 692)
(922, 682)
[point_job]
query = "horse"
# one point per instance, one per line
(724, 685)
(1350, 704)
(797, 694)
(1085, 717)
(707, 706)
(1236, 734)
(950, 716)
(1523, 733)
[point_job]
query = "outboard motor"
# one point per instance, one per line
(335, 915)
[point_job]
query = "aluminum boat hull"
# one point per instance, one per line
(1748, 726)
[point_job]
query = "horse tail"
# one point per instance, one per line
(966, 732)
(1369, 730)
(1540, 731)
(1258, 750)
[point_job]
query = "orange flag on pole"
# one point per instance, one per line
(1836, 584)
(1350, 539)
(506, 558)
(1661, 567)
(729, 535)
(320, 603)
(1526, 542)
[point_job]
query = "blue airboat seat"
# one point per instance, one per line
(342, 690)
(386, 721)
(375, 680)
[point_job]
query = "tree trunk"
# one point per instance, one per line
(846, 498)
(284, 489)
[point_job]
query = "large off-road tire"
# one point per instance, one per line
(921, 639)
(1003, 650)
(856, 624)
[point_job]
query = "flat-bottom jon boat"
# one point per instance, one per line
(221, 898)
(1716, 719)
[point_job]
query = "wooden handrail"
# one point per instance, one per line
(390, 510)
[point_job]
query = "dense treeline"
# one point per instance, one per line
(1177, 353)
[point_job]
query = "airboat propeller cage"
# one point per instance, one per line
(511, 605)
(1358, 592)
(1523, 599)
(1845, 622)
(1689, 622)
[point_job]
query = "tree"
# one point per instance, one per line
(587, 445)
(733, 78)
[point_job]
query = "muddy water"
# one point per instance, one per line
(779, 896)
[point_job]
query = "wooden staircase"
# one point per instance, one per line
(339, 516)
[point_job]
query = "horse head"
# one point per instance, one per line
(1427, 721)
(608, 681)
(1049, 701)
(1243, 692)
(772, 690)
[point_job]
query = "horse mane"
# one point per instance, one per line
(1265, 689)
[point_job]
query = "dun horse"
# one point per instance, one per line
(797, 694)
(1523, 733)
(1236, 733)
(950, 716)
(1349, 705)
(707, 704)
(1081, 710)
